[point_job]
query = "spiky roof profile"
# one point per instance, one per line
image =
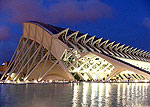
(47, 52)
(92, 43)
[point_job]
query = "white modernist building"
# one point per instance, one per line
(47, 52)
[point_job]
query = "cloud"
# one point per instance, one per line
(15, 12)
(146, 23)
(74, 11)
(63, 11)
(4, 33)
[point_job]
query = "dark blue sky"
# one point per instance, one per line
(124, 21)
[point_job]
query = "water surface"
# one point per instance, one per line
(75, 95)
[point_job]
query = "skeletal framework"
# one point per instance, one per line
(47, 52)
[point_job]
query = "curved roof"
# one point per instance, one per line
(103, 43)
(59, 43)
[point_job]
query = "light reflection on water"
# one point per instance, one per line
(75, 95)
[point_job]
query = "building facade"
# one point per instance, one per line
(3, 67)
(47, 52)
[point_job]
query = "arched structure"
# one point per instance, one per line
(47, 52)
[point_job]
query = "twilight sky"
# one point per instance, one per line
(125, 21)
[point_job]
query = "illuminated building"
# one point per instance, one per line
(3, 67)
(47, 52)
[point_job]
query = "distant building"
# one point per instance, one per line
(47, 52)
(3, 67)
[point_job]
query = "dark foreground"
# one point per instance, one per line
(82, 94)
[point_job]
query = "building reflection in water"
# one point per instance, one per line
(94, 94)
(75, 95)
(85, 93)
(101, 93)
(106, 94)
(81, 94)
(118, 94)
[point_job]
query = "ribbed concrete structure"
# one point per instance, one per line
(47, 52)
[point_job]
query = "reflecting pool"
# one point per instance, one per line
(82, 94)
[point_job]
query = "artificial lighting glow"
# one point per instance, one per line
(140, 64)
(78, 55)
(94, 93)
(118, 92)
(75, 95)
(50, 81)
(119, 81)
(35, 81)
(108, 88)
(8, 81)
(85, 92)
(25, 78)
(43, 81)
(108, 71)
(146, 80)
(94, 76)
(39, 79)
(101, 76)
(18, 81)
(85, 76)
(127, 72)
(27, 81)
